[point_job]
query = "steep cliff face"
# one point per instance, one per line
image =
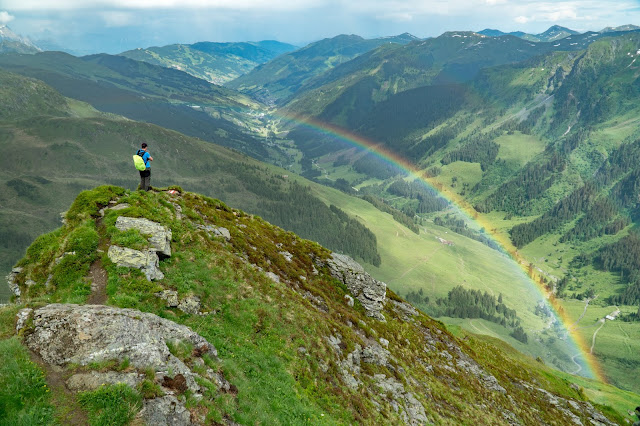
(235, 321)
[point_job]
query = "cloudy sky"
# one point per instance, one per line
(116, 25)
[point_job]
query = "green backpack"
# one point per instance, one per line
(138, 161)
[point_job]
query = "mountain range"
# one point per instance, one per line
(525, 150)
(554, 33)
(284, 76)
(214, 62)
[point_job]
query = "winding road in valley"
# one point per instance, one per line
(586, 305)
(593, 340)
(579, 369)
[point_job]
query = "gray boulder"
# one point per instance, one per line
(165, 411)
(404, 310)
(273, 277)
(190, 305)
(216, 231)
(160, 236)
(170, 296)
(82, 334)
(375, 354)
(147, 261)
(369, 291)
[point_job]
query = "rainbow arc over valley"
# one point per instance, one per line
(589, 365)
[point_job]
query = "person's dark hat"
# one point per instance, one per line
(144, 144)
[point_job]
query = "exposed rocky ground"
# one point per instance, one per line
(351, 351)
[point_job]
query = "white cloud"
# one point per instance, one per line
(307, 20)
(396, 17)
(41, 5)
(5, 18)
(117, 19)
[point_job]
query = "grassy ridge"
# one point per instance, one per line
(258, 326)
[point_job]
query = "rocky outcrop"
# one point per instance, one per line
(369, 291)
(189, 304)
(403, 402)
(11, 281)
(160, 237)
(570, 407)
(82, 334)
(147, 261)
(165, 411)
(169, 296)
(404, 310)
(113, 205)
(216, 231)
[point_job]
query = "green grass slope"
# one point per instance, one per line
(259, 326)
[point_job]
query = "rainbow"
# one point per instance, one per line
(589, 366)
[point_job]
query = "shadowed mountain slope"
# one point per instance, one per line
(145, 92)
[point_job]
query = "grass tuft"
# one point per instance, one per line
(111, 405)
(24, 394)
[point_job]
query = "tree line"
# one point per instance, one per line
(467, 303)
(428, 199)
(293, 207)
(460, 227)
(397, 215)
(514, 196)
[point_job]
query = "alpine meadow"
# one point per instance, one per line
(397, 229)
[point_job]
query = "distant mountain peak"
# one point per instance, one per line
(12, 42)
(491, 32)
(405, 35)
(628, 27)
(561, 28)
(553, 33)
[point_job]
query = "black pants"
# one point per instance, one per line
(145, 179)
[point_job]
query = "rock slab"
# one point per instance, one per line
(369, 291)
(147, 261)
(82, 334)
(160, 237)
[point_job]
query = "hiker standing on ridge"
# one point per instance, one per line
(145, 175)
